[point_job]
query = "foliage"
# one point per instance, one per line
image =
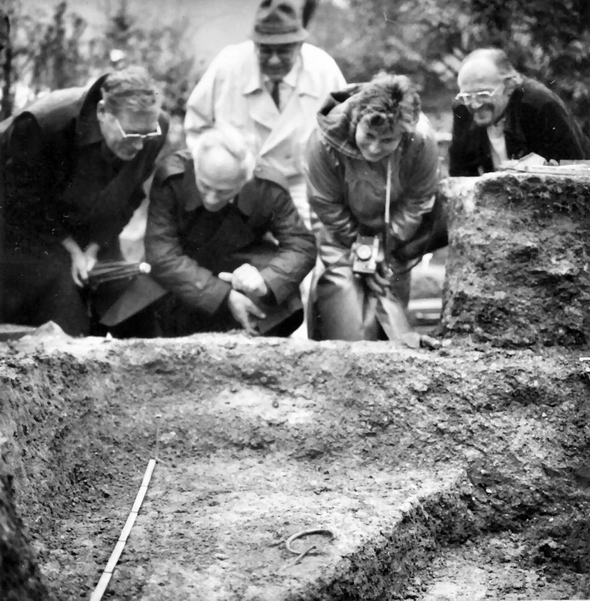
(41, 51)
(126, 42)
(546, 39)
(427, 39)
(56, 50)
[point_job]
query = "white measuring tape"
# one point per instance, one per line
(116, 554)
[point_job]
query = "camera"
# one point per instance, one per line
(365, 253)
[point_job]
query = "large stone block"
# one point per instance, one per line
(517, 272)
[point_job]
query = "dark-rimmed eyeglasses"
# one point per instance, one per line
(481, 97)
(133, 137)
(281, 50)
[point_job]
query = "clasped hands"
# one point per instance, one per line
(380, 281)
(245, 280)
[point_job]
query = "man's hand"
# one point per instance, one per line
(246, 279)
(91, 253)
(245, 312)
(79, 269)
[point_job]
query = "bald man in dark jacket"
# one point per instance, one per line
(191, 245)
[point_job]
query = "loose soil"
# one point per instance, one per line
(452, 474)
(518, 260)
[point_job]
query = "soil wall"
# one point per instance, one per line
(472, 438)
(517, 271)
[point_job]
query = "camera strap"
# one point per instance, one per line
(387, 232)
(387, 195)
(386, 244)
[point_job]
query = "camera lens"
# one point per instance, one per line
(364, 252)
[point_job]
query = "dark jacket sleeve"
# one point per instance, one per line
(556, 134)
(33, 169)
(171, 268)
(105, 231)
(421, 175)
(325, 192)
(296, 253)
(466, 154)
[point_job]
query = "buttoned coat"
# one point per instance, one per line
(232, 91)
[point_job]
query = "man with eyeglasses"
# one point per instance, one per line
(499, 115)
(75, 162)
(271, 88)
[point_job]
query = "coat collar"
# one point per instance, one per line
(190, 193)
(87, 127)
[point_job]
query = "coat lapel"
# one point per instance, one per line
(289, 119)
(263, 109)
(303, 101)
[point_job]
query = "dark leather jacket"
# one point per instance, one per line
(537, 121)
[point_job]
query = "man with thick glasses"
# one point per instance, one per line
(500, 115)
(75, 162)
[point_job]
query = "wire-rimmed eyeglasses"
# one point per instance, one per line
(481, 97)
(132, 137)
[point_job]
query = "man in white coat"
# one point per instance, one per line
(269, 87)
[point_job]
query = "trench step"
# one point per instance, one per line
(215, 528)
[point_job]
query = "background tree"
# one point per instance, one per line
(427, 39)
(547, 39)
(54, 49)
(6, 63)
(159, 49)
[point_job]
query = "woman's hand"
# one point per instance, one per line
(380, 281)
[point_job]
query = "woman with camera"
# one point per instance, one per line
(372, 172)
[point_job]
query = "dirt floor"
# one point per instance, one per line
(454, 474)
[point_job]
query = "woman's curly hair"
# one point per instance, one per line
(388, 100)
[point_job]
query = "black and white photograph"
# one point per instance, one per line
(295, 300)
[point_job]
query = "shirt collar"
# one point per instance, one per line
(297, 77)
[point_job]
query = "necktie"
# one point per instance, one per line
(275, 94)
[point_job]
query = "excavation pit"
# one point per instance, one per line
(452, 474)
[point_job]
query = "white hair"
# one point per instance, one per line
(229, 139)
